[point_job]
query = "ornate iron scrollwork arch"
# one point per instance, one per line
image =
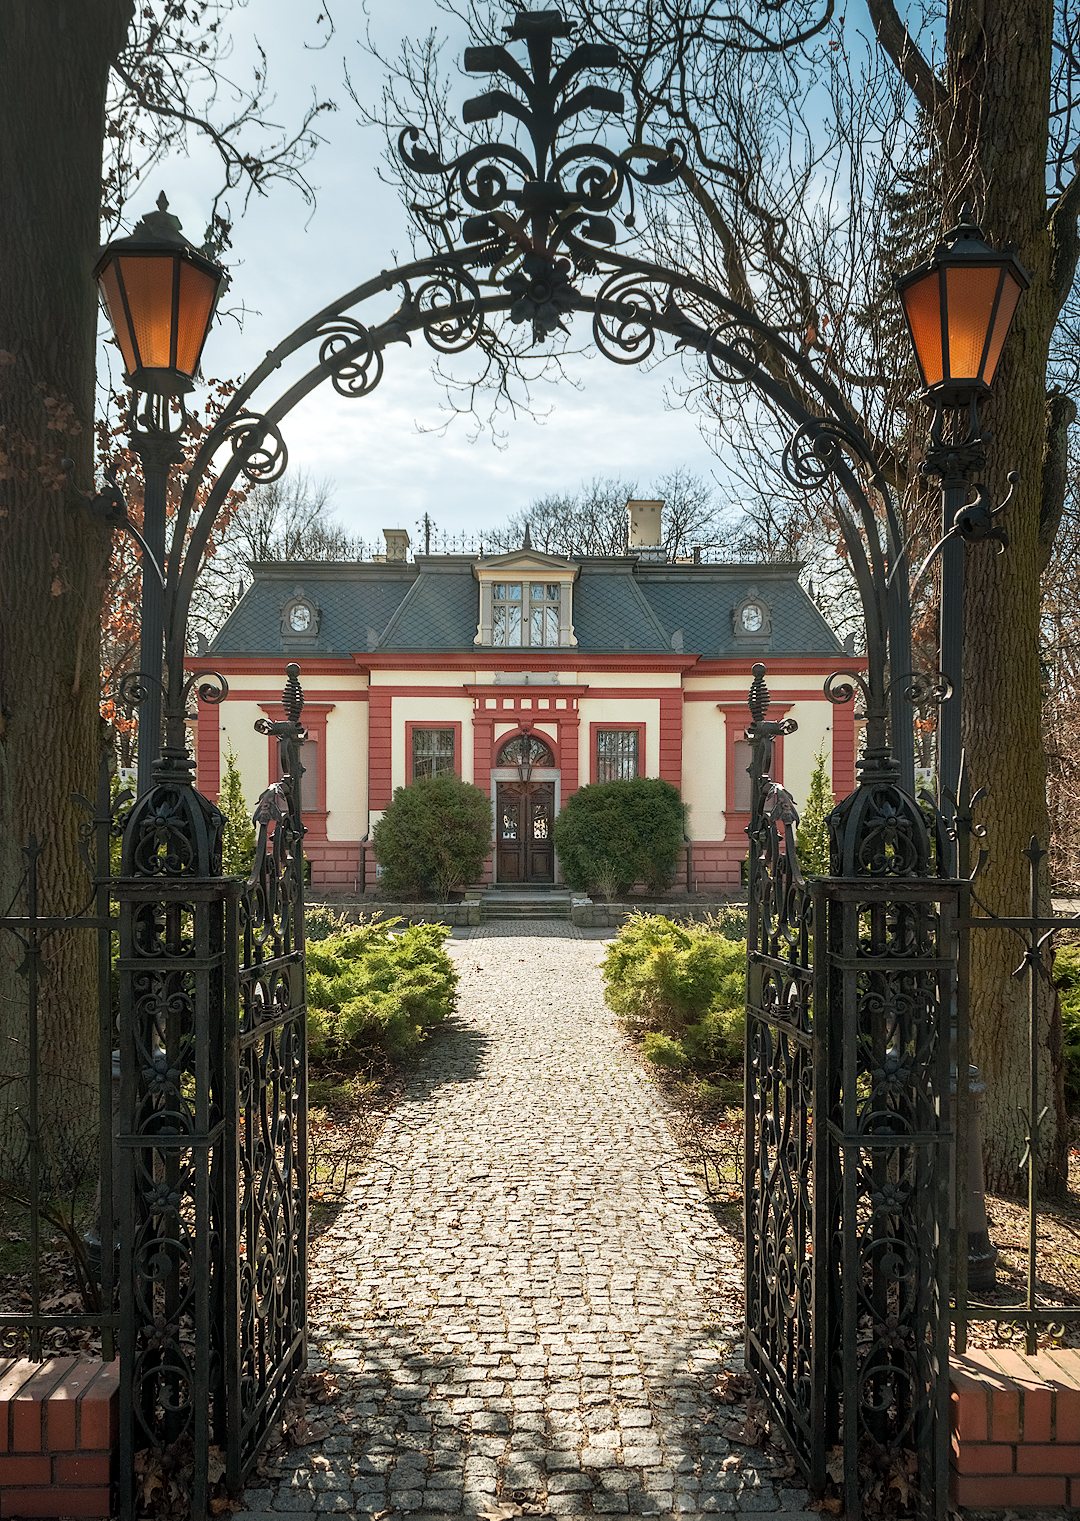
(535, 244)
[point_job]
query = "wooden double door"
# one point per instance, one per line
(524, 820)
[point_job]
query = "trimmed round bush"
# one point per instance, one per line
(613, 834)
(435, 834)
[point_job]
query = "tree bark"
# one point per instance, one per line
(54, 70)
(995, 131)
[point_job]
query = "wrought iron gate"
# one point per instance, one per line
(211, 1125)
(850, 984)
(786, 1229)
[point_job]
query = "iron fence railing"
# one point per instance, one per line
(1040, 1311)
(57, 1190)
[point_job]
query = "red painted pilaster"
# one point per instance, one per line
(380, 748)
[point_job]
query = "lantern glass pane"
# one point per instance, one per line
(148, 281)
(922, 305)
(197, 292)
(114, 305)
(1010, 295)
(970, 293)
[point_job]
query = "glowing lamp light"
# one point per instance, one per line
(159, 292)
(959, 307)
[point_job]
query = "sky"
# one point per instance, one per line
(387, 456)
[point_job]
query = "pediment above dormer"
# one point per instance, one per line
(526, 599)
(524, 563)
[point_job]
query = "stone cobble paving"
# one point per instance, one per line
(528, 1302)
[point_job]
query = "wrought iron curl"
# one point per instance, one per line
(134, 688)
(459, 329)
(923, 688)
(812, 453)
(353, 372)
(260, 447)
(630, 336)
(841, 687)
(732, 336)
(211, 687)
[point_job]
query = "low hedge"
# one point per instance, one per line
(681, 990)
(375, 990)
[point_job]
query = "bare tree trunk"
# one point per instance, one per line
(54, 68)
(996, 139)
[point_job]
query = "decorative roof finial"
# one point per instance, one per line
(759, 699)
(526, 542)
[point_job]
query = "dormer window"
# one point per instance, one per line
(532, 610)
(299, 618)
(751, 619)
(525, 612)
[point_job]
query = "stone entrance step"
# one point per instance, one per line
(524, 903)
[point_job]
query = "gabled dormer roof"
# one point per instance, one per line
(525, 564)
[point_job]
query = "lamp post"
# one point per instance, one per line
(160, 293)
(959, 306)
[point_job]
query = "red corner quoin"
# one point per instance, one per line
(58, 1429)
(1016, 1429)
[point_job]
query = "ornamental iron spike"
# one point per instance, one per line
(759, 700)
(292, 698)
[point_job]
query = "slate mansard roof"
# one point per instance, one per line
(620, 606)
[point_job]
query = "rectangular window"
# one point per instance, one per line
(543, 614)
(525, 614)
(506, 613)
(616, 755)
(432, 753)
(741, 790)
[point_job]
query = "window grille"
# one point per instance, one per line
(616, 755)
(432, 753)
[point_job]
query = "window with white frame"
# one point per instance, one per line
(526, 613)
(616, 755)
(544, 612)
(506, 609)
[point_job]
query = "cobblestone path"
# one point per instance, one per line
(529, 1302)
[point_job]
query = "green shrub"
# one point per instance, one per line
(238, 836)
(681, 988)
(435, 834)
(1067, 978)
(664, 1051)
(321, 922)
(613, 834)
(812, 835)
(375, 990)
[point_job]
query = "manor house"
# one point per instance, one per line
(530, 675)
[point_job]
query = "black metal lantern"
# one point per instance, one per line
(959, 307)
(528, 751)
(159, 292)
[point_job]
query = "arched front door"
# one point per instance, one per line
(525, 814)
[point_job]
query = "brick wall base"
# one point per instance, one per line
(1016, 1430)
(59, 1422)
(335, 864)
(718, 863)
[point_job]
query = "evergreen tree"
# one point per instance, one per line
(238, 842)
(812, 836)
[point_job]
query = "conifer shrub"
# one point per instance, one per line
(1067, 979)
(681, 990)
(238, 837)
(812, 835)
(610, 835)
(435, 835)
(376, 990)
